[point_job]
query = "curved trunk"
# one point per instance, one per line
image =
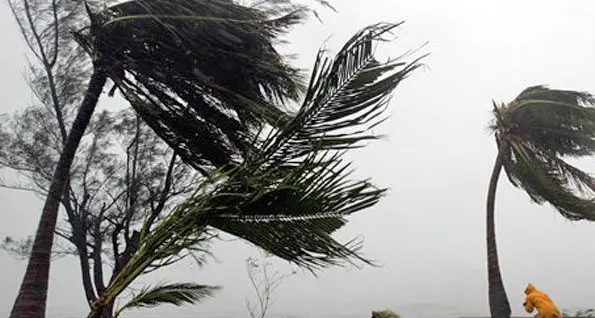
(31, 300)
(499, 305)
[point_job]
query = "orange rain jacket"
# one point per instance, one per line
(541, 301)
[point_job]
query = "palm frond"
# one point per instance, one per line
(305, 179)
(289, 197)
(542, 92)
(176, 294)
(558, 121)
(550, 179)
(295, 216)
(541, 127)
(350, 91)
(203, 74)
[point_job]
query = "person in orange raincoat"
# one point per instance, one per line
(539, 300)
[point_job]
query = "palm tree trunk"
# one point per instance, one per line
(499, 305)
(31, 300)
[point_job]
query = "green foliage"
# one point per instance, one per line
(18, 248)
(385, 314)
(299, 183)
(123, 177)
(535, 132)
(174, 294)
(204, 75)
(293, 194)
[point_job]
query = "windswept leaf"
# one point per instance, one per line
(291, 195)
(204, 75)
(176, 294)
(540, 128)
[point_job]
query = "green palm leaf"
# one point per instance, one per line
(350, 91)
(293, 194)
(558, 121)
(204, 75)
(313, 193)
(540, 128)
(295, 217)
(175, 294)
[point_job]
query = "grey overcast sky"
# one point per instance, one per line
(429, 233)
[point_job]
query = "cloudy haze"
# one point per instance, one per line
(429, 233)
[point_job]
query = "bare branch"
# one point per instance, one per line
(5, 185)
(54, 58)
(24, 31)
(264, 281)
(165, 193)
(97, 260)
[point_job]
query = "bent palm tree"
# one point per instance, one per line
(534, 133)
(202, 74)
(289, 197)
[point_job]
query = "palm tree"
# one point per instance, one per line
(534, 133)
(202, 74)
(289, 197)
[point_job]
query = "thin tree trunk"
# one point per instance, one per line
(31, 300)
(499, 305)
(108, 312)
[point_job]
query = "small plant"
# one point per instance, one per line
(385, 314)
(264, 279)
(588, 313)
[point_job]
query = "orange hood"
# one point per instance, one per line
(530, 288)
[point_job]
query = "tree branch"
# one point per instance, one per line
(97, 251)
(23, 30)
(165, 193)
(79, 239)
(52, 62)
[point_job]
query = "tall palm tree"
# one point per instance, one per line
(534, 134)
(289, 197)
(203, 74)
